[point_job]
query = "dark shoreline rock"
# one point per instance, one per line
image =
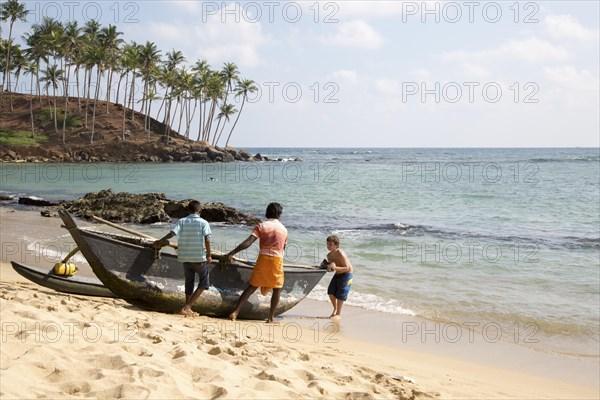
(131, 153)
(147, 208)
(34, 201)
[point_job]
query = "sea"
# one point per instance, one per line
(507, 238)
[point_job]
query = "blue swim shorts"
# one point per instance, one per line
(339, 286)
(191, 269)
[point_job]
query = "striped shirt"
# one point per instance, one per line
(191, 231)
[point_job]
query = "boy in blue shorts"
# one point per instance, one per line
(337, 261)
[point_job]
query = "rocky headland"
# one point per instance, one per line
(25, 136)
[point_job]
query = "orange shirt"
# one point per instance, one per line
(273, 237)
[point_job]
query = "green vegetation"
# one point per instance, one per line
(56, 53)
(20, 138)
(47, 115)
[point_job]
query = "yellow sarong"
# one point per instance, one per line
(267, 273)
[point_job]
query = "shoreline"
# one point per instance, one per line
(483, 369)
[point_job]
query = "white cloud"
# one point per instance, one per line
(532, 50)
(345, 74)
(569, 77)
(354, 34)
(217, 40)
(567, 27)
(367, 8)
(378, 9)
(387, 86)
(187, 5)
(475, 71)
(422, 74)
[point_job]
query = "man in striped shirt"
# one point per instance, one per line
(193, 251)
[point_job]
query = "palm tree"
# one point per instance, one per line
(11, 10)
(31, 68)
(151, 97)
(229, 73)
(18, 62)
(201, 70)
(70, 48)
(214, 91)
(36, 52)
(130, 59)
(97, 56)
(52, 77)
(149, 57)
(169, 78)
(226, 111)
(51, 34)
(244, 87)
(109, 39)
(91, 30)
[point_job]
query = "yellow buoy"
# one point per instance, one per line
(66, 269)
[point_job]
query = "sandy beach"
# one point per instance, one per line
(56, 345)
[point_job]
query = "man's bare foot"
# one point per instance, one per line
(188, 312)
(335, 317)
(233, 316)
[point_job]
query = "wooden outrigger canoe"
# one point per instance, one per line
(128, 266)
(75, 284)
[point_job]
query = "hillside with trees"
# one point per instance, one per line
(87, 88)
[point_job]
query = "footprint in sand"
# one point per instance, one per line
(155, 338)
(76, 388)
(179, 354)
(217, 392)
(264, 376)
(222, 350)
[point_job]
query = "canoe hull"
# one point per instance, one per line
(134, 274)
(74, 284)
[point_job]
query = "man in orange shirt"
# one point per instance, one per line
(268, 271)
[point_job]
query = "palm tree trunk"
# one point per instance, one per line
(118, 89)
(181, 116)
(189, 127)
(6, 67)
(64, 128)
(163, 103)
(95, 101)
(149, 108)
(87, 99)
(108, 89)
(125, 105)
(145, 103)
(172, 122)
(210, 119)
(132, 97)
(77, 81)
(167, 115)
(215, 137)
(85, 79)
(55, 119)
(12, 108)
(39, 88)
(236, 120)
(31, 113)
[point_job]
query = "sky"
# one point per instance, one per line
(384, 73)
